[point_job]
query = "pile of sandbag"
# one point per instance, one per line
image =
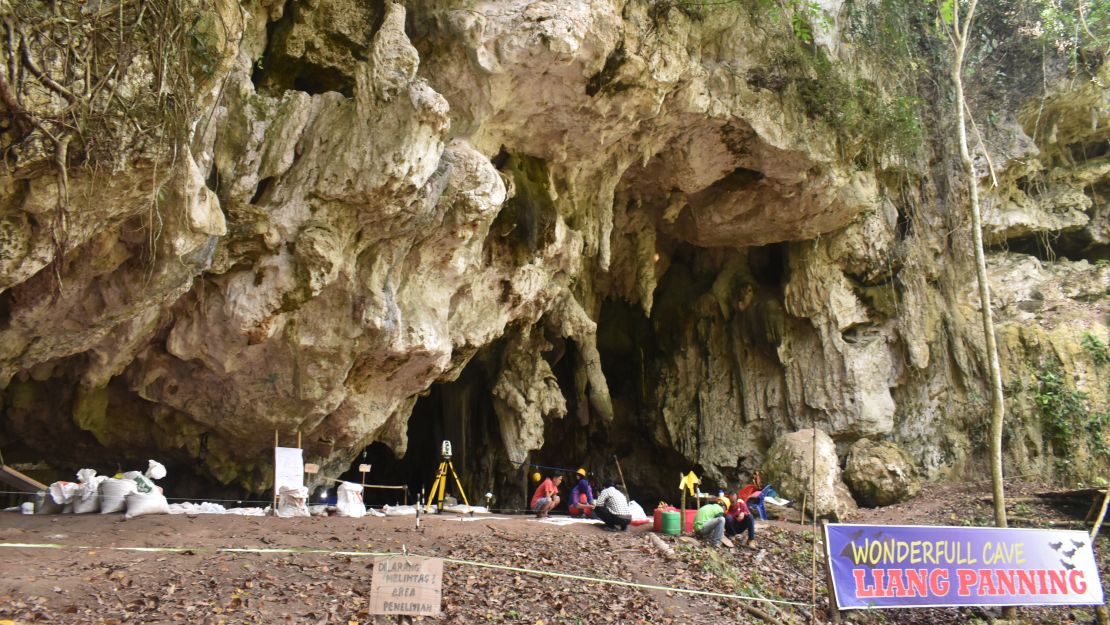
(292, 502)
(148, 497)
(348, 500)
(134, 493)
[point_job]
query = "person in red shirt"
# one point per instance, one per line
(546, 496)
(738, 518)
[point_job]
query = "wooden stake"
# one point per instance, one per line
(682, 519)
(1100, 611)
(273, 509)
(298, 439)
(621, 473)
(1101, 516)
(834, 612)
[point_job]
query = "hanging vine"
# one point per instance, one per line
(99, 85)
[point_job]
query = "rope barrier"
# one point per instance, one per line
(268, 502)
(540, 466)
(474, 563)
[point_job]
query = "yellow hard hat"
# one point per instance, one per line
(536, 476)
(724, 501)
(581, 472)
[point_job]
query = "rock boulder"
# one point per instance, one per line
(880, 473)
(790, 463)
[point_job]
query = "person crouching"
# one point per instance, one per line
(709, 522)
(738, 519)
(611, 507)
(546, 496)
(581, 497)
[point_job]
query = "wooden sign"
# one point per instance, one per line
(363, 468)
(311, 468)
(409, 585)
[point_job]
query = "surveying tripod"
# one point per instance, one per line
(440, 483)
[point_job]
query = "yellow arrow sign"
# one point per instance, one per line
(689, 482)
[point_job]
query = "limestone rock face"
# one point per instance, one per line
(790, 469)
(649, 229)
(880, 473)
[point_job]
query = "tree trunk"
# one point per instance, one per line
(998, 407)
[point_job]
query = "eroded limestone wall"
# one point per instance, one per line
(655, 228)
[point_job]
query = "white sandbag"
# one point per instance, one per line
(113, 494)
(63, 492)
(292, 502)
(348, 500)
(141, 504)
(86, 500)
(142, 482)
(45, 504)
(373, 512)
(87, 504)
(155, 470)
(636, 511)
(318, 510)
(399, 510)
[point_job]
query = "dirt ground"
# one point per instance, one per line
(87, 581)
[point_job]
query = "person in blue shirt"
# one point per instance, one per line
(581, 497)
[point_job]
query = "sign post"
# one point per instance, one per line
(407, 585)
(903, 566)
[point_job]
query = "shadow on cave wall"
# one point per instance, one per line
(636, 352)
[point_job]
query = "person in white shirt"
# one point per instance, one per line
(611, 506)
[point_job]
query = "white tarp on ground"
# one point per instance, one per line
(206, 507)
(566, 520)
(465, 519)
(462, 509)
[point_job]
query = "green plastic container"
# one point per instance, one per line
(670, 522)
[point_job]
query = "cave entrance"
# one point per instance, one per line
(461, 412)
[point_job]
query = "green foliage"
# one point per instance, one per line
(869, 123)
(1067, 420)
(1075, 26)
(1098, 350)
(948, 11)
(804, 15)
(202, 46)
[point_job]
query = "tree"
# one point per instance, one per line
(958, 27)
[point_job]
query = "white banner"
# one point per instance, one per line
(288, 467)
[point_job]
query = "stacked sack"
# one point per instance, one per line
(133, 492)
(292, 502)
(148, 497)
(78, 497)
(86, 499)
(348, 500)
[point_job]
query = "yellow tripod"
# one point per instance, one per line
(440, 483)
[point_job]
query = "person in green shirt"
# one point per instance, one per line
(709, 523)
